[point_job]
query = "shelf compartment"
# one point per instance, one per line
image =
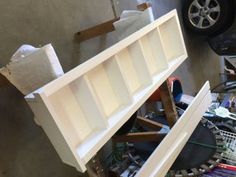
(70, 115)
(134, 68)
(109, 86)
(75, 108)
(87, 99)
(92, 144)
(153, 52)
(171, 38)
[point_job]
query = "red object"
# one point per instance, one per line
(156, 95)
(228, 167)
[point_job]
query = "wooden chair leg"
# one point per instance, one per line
(140, 137)
(168, 103)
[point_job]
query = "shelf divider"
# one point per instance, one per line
(153, 52)
(89, 103)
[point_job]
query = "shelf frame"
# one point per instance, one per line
(82, 80)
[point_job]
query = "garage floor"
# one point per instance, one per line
(25, 151)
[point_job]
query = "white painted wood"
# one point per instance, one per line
(170, 34)
(129, 71)
(91, 146)
(103, 89)
(53, 131)
(140, 64)
(117, 81)
(67, 111)
(153, 52)
(133, 67)
(110, 52)
(165, 154)
(90, 103)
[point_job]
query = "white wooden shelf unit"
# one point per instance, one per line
(81, 110)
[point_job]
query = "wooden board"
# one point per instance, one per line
(87, 105)
(165, 154)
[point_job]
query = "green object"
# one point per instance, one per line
(207, 145)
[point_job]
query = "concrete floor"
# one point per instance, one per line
(25, 150)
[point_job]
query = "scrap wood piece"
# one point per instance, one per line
(143, 6)
(149, 123)
(103, 28)
(140, 137)
(97, 30)
(168, 103)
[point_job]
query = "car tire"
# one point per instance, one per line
(208, 17)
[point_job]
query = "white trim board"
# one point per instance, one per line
(167, 151)
(87, 105)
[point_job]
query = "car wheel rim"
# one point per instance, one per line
(203, 14)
